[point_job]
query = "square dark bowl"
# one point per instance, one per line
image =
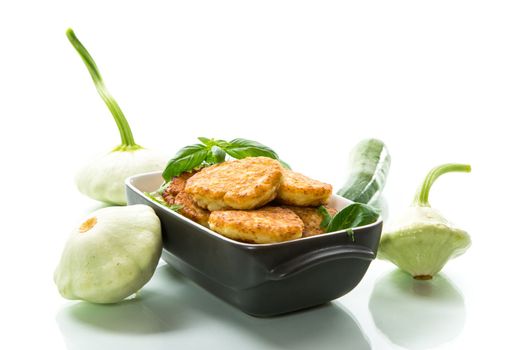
(262, 279)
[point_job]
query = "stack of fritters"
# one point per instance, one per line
(232, 199)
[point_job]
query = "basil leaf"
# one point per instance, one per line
(213, 142)
(205, 140)
(326, 216)
(215, 155)
(354, 215)
(213, 151)
(221, 143)
(284, 164)
(242, 148)
(186, 159)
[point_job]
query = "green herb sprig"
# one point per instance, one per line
(325, 215)
(354, 215)
(156, 197)
(212, 151)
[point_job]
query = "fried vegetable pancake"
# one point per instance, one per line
(265, 225)
(176, 185)
(247, 183)
(311, 219)
(190, 209)
(300, 190)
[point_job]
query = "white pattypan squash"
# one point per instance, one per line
(103, 179)
(111, 255)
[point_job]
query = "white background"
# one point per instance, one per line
(437, 81)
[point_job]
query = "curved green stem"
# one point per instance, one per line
(126, 135)
(421, 198)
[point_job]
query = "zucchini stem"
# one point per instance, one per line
(421, 198)
(126, 136)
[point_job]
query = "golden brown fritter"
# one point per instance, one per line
(300, 190)
(247, 183)
(191, 210)
(176, 185)
(311, 219)
(265, 225)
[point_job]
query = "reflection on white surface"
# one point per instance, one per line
(417, 314)
(173, 312)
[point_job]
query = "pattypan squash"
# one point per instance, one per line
(111, 255)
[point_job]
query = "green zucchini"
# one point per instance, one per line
(369, 165)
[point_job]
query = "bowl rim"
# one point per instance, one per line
(129, 184)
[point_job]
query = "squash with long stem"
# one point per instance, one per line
(103, 178)
(422, 240)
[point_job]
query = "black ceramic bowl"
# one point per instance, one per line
(262, 279)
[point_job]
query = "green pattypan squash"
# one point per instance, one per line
(422, 241)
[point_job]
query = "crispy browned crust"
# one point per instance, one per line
(176, 185)
(265, 225)
(190, 209)
(247, 183)
(311, 219)
(297, 189)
